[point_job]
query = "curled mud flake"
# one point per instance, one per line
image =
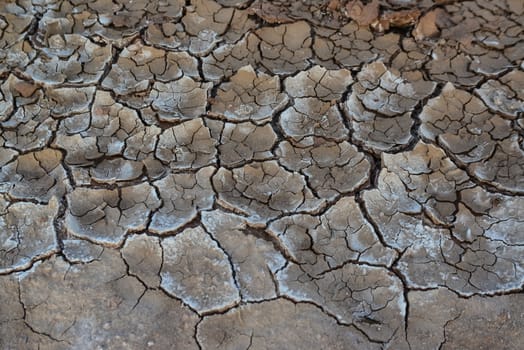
(371, 298)
(426, 207)
(351, 45)
(269, 13)
(249, 96)
(163, 35)
(430, 178)
(285, 49)
(491, 64)
(331, 168)
(6, 154)
(80, 250)
(481, 267)
(234, 3)
(340, 235)
(241, 143)
(29, 128)
(31, 124)
(203, 25)
(278, 324)
(14, 90)
(319, 13)
(505, 95)
(196, 270)
(35, 176)
(414, 185)
(447, 65)
(263, 191)
(110, 129)
(143, 255)
(116, 170)
(25, 238)
(135, 14)
(70, 58)
(308, 118)
(13, 26)
(179, 100)
(477, 40)
(116, 23)
(327, 85)
(412, 58)
(485, 143)
(141, 144)
(138, 65)
(363, 14)
(106, 216)
(227, 59)
(495, 216)
(255, 260)
(183, 196)
(14, 51)
(6, 96)
(188, 145)
(261, 174)
(64, 102)
(80, 150)
(380, 106)
(241, 23)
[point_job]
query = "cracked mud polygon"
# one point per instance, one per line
(239, 174)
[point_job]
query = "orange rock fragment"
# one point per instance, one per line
(428, 25)
(363, 14)
(397, 19)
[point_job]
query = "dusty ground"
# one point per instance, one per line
(261, 175)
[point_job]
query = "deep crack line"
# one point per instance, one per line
(215, 174)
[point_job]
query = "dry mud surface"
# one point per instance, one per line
(238, 174)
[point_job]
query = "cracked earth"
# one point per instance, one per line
(239, 174)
